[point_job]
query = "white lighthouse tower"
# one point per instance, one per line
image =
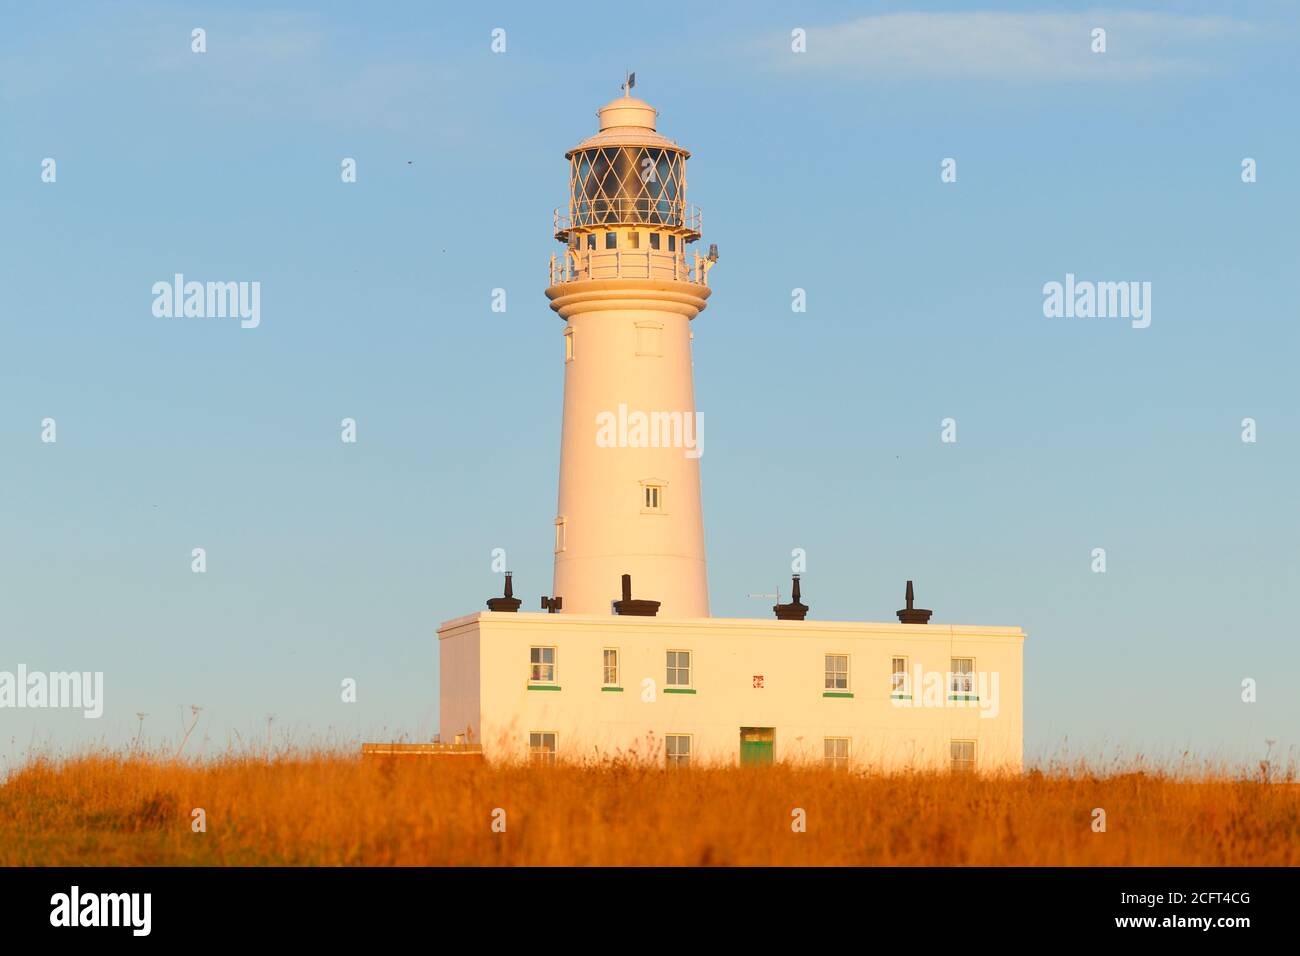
(627, 286)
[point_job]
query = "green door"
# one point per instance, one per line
(756, 744)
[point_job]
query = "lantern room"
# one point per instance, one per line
(627, 213)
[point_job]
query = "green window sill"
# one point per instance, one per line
(612, 690)
(837, 693)
(543, 686)
(963, 697)
(900, 696)
(679, 690)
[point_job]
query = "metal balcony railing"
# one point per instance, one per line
(669, 213)
(577, 265)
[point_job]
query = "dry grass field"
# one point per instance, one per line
(329, 809)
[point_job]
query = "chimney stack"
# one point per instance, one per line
(913, 615)
(507, 603)
(795, 610)
(640, 608)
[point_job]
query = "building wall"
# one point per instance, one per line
(458, 677)
(727, 654)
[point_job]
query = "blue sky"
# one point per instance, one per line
(817, 171)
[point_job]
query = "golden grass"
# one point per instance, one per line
(331, 809)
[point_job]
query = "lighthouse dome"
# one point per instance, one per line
(627, 111)
(627, 121)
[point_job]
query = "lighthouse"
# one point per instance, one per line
(627, 284)
(628, 663)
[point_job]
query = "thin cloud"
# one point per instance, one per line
(1050, 46)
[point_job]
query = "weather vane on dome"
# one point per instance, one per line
(630, 82)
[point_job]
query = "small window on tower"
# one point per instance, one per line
(568, 343)
(672, 243)
(559, 535)
(591, 240)
(654, 240)
(652, 498)
(634, 240)
(611, 240)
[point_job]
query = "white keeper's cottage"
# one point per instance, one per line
(624, 658)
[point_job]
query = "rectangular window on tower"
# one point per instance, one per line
(568, 343)
(611, 240)
(672, 243)
(634, 240)
(652, 499)
(559, 534)
(654, 240)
